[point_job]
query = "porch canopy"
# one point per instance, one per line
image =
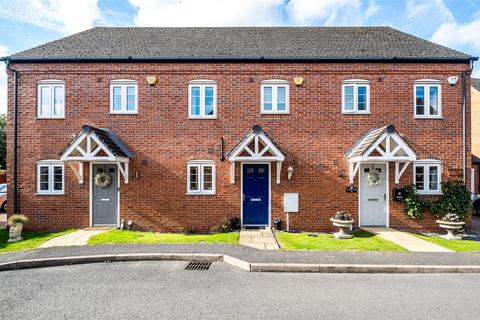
(381, 145)
(94, 144)
(256, 146)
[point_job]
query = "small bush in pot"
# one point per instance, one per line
(16, 223)
(343, 220)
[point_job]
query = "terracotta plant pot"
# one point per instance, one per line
(15, 232)
(343, 226)
(450, 227)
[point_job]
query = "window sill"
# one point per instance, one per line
(202, 118)
(50, 118)
(49, 194)
(429, 118)
(199, 194)
(127, 113)
(273, 112)
(433, 193)
(356, 112)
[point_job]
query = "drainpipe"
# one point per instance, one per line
(15, 135)
(464, 115)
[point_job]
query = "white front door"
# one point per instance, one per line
(373, 196)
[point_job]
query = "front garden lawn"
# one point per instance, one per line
(31, 240)
(123, 236)
(362, 241)
(455, 245)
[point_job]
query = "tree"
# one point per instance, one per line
(3, 141)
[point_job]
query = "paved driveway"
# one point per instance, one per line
(163, 290)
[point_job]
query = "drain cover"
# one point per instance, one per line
(198, 265)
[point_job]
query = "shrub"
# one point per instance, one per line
(224, 227)
(451, 217)
(17, 218)
(188, 230)
(414, 204)
(235, 223)
(455, 200)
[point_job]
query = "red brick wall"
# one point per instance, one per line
(314, 137)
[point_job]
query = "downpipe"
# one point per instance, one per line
(15, 136)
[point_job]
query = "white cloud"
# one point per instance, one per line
(65, 16)
(455, 35)
(372, 9)
(194, 13)
(431, 10)
(3, 81)
(328, 12)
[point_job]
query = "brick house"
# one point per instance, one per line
(475, 98)
(175, 128)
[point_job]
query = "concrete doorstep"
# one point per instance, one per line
(239, 263)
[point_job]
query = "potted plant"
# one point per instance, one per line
(451, 223)
(343, 221)
(16, 223)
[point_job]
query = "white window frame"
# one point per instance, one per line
(275, 84)
(51, 84)
(427, 164)
(356, 83)
(200, 164)
(202, 84)
(123, 83)
(50, 164)
(427, 83)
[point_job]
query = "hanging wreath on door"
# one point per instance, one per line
(374, 178)
(103, 180)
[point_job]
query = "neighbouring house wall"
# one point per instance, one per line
(314, 137)
(475, 121)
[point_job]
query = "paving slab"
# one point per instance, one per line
(3, 221)
(261, 239)
(409, 242)
(76, 238)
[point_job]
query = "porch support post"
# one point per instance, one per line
(279, 170)
(123, 171)
(232, 172)
(77, 170)
(353, 170)
(399, 172)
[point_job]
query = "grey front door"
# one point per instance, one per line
(105, 198)
(373, 197)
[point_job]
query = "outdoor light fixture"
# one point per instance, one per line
(151, 80)
(298, 81)
(341, 174)
(290, 172)
(452, 80)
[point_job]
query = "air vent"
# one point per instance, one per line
(198, 265)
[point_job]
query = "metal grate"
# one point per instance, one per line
(198, 265)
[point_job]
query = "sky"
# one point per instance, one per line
(27, 23)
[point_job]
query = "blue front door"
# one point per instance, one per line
(256, 196)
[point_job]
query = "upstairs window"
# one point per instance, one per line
(356, 96)
(51, 99)
(50, 179)
(428, 99)
(427, 176)
(123, 96)
(274, 96)
(200, 177)
(202, 99)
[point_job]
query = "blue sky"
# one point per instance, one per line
(28, 23)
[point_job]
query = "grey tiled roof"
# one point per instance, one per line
(251, 43)
(476, 83)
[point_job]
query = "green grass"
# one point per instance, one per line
(362, 241)
(121, 236)
(455, 245)
(30, 240)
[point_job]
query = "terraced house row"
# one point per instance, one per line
(180, 128)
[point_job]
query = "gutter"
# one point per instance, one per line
(15, 136)
(238, 59)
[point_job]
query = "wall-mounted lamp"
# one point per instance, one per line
(341, 174)
(290, 172)
(151, 80)
(298, 81)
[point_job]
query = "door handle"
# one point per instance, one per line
(384, 197)
(243, 197)
(105, 199)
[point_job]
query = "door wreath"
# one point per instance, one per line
(374, 178)
(103, 180)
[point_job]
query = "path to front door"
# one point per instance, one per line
(76, 238)
(105, 199)
(255, 194)
(262, 239)
(373, 196)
